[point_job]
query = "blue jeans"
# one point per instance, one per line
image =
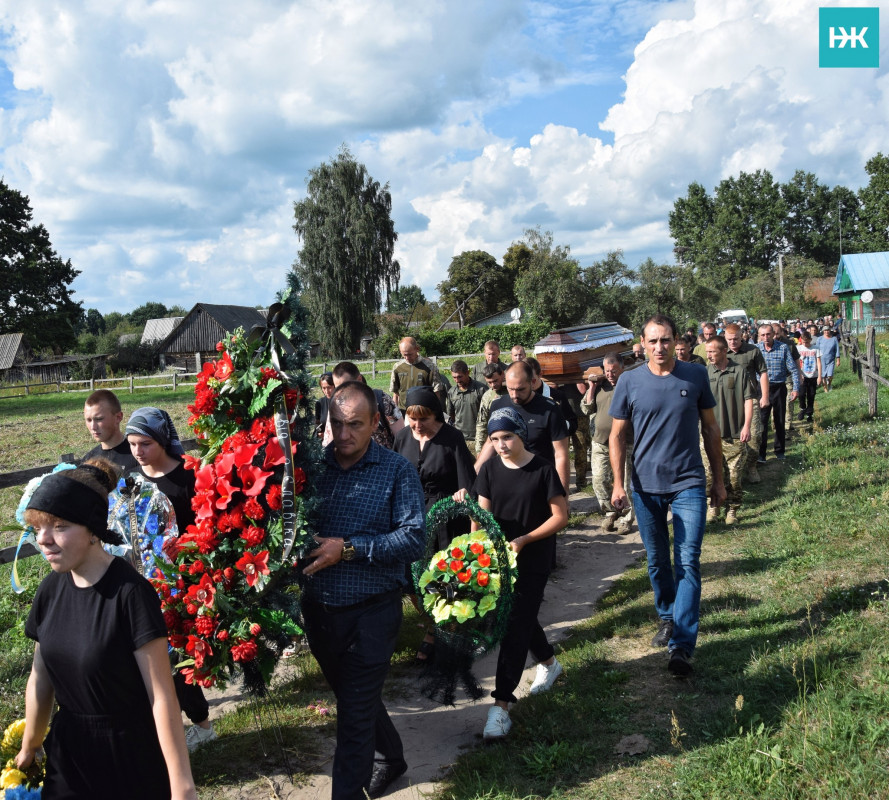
(677, 587)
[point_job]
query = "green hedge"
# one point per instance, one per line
(472, 340)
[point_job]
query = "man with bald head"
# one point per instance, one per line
(414, 370)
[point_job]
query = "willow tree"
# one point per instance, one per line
(345, 263)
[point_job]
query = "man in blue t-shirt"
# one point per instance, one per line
(664, 400)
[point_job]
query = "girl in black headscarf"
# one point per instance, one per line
(101, 653)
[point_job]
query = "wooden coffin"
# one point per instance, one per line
(567, 354)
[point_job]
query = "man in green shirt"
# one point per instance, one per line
(463, 402)
(732, 387)
(413, 370)
(750, 357)
(495, 378)
(492, 356)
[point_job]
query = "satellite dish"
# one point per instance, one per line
(516, 313)
(867, 296)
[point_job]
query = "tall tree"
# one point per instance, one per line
(608, 281)
(150, 310)
(35, 294)
(404, 302)
(550, 287)
(476, 286)
(691, 226)
(873, 233)
(95, 322)
(348, 240)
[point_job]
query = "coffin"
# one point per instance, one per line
(568, 354)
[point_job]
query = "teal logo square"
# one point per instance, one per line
(848, 37)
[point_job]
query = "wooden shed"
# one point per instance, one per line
(14, 352)
(194, 339)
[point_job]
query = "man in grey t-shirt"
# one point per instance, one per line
(665, 400)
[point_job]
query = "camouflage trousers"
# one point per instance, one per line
(580, 441)
(603, 478)
(755, 436)
(734, 460)
(790, 413)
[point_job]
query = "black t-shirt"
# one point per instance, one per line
(545, 421)
(120, 455)
(178, 485)
(88, 636)
(520, 504)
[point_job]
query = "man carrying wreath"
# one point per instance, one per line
(372, 528)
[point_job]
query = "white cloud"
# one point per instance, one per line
(163, 146)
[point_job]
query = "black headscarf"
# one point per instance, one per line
(64, 496)
(424, 396)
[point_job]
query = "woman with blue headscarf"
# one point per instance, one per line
(526, 497)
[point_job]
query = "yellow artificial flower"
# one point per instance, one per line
(425, 579)
(486, 604)
(12, 777)
(464, 610)
(12, 737)
(441, 611)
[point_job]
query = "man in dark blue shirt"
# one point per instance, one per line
(665, 400)
(372, 527)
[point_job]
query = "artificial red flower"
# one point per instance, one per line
(203, 593)
(442, 565)
(457, 553)
(225, 491)
(224, 368)
(255, 629)
(199, 649)
(178, 641)
(254, 510)
(253, 479)
(220, 347)
(196, 568)
(273, 497)
(205, 625)
(244, 454)
(274, 454)
(261, 429)
(171, 619)
(299, 480)
(222, 634)
(191, 608)
(482, 578)
(246, 651)
(253, 536)
(484, 560)
(465, 576)
(456, 565)
(476, 548)
(253, 566)
(191, 462)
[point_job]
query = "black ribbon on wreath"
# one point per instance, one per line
(459, 645)
(270, 339)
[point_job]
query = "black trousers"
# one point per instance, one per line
(524, 634)
(807, 396)
(191, 699)
(353, 647)
(777, 409)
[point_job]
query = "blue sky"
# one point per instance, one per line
(163, 149)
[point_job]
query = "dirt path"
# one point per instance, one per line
(589, 561)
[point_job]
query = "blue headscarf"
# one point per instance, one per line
(508, 419)
(156, 424)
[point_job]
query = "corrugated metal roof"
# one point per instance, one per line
(9, 348)
(860, 271)
(157, 329)
(206, 324)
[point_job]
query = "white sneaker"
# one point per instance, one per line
(498, 724)
(195, 736)
(546, 677)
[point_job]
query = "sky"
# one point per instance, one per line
(163, 144)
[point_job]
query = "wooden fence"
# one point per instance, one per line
(133, 383)
(867, 365)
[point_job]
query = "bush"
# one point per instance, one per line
(472, 340)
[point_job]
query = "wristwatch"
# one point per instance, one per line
(348, 550)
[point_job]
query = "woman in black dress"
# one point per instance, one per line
(440, 454)
(101, 652)
(156, 446)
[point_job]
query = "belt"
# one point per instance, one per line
(373, 600)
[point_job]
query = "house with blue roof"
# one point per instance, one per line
(862, 287)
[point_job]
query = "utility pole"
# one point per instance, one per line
(781, 277)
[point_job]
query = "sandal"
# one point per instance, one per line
(424, 652)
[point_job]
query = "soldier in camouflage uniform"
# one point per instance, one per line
(494, 377)
(750, 356)
(733, 389)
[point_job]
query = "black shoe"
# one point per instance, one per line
(801, 416)
(662, 637)
(385, 772)
(679, 663)
(780, 457)
(761, 460)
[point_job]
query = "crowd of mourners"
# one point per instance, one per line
(667, 437)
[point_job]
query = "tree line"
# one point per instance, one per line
(727, 246)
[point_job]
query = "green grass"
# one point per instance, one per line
(791, 693)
